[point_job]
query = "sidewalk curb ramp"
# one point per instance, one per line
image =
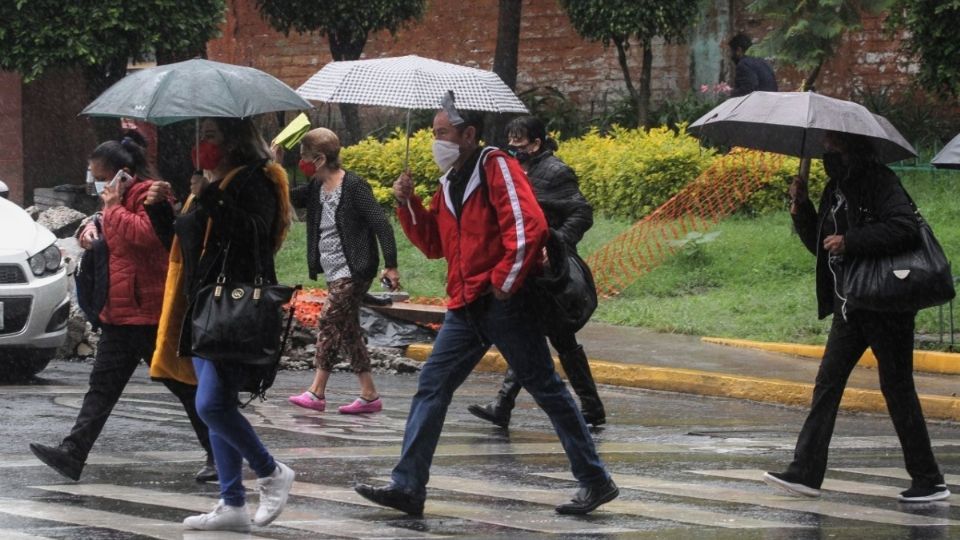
(708, 383)
(923, 361)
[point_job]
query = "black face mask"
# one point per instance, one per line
(835, 166)
(522, 155)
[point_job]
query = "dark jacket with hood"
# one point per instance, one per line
(360, 222)
(879, 220)
(568, 212)
(753, 74)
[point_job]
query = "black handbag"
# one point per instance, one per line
(908, 281)
(237, 322)
(564, 297)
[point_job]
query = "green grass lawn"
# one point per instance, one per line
(755, 281)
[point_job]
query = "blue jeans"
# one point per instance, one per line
(231, 435)
(464, 338)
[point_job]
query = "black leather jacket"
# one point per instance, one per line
(568, 212)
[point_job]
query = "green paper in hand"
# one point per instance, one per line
(295, 130)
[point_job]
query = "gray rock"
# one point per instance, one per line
(61, 221)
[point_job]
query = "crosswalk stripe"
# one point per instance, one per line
(783, 502)
(291, 518)
(842, 486)
(659, 511)
(62, 513)
(893, 472)
(349, 452)
(524, 519)
(10, 534)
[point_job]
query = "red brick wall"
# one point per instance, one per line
(11, 134)
(551, 53)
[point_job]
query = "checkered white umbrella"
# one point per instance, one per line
(410, 82)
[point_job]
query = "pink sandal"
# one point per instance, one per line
(361, 406)
(309, 400)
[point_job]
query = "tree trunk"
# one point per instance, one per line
(621, 44)
(810, 83)
(646, 75)
(345, 49)
(505, 63)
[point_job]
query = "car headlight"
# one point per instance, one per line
(51, 258)
(46, 261)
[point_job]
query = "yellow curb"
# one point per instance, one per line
(709, 383)
(923, 361)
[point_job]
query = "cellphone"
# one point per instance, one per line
(385, 283)
(121, 176)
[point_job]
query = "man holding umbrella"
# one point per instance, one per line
(485, 221)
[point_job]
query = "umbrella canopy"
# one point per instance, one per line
(794, 123)
(196, 88)
(949, 156)
(410, 82)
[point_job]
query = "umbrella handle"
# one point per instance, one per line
(804, 172)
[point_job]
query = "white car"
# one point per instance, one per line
(34, 302)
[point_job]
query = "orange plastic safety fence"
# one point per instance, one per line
(715, 194)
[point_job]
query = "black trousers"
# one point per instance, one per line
(119, 352)
(890, 336)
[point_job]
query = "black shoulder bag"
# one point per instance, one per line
(237, 322)
(908, 281)
(564, 296)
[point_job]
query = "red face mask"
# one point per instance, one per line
(308, 168)
(209, 156)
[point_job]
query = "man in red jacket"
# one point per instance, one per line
(486, 222)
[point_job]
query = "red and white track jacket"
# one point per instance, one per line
(497, 239)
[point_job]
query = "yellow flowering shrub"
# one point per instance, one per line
(380, 163)
(630, 172)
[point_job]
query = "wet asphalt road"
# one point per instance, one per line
(687, 467)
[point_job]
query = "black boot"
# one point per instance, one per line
(498, 411)
(62, 459)
(577, 368)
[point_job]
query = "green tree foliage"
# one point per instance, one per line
(346, 25)
(101, 36)
(808, 33)
(933, 27)
(618, 21)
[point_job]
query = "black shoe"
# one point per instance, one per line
(393, 497)
(790, 483)
(207, 474)
(588, 499)
(925, 494)
(59, 459)
(490, 413)
(594, 418)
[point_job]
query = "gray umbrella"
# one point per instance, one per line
(949, 156)
(793, 123)
(196, 88)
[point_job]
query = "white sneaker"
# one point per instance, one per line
(274, 490)
(222, 518)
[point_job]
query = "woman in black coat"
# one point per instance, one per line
(344, 224)
(238, 215)
(569, 216)
(864, 212)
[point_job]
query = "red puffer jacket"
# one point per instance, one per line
(498, 237)
(138, 261)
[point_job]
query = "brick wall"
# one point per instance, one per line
(552, 54)
(11, 134)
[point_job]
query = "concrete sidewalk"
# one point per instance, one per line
(635, 357)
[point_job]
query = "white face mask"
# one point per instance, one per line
(445, 154)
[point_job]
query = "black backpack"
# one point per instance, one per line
(92, 279)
